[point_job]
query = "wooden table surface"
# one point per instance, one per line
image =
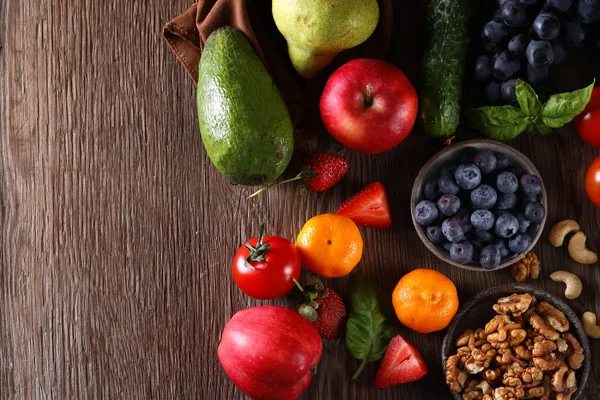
(117, 232)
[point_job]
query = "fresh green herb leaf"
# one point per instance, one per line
(541, 129)
(369, 326)
(561, 108)
(528, 99)
(500, 123)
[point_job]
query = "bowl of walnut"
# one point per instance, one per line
(516, 342)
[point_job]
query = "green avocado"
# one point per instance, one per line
(244, 123)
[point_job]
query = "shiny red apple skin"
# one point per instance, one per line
(369, 125)
(268, 352)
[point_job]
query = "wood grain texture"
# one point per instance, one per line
(117, 232)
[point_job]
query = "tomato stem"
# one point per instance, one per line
(257, 252)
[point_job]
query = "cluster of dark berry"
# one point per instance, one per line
(525, 37)
(482, 210)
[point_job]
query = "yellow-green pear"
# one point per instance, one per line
(317, 30)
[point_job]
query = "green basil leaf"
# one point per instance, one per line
(369, 326)
(542, 129)
(561, 108)
(528, 99)
(500, 123)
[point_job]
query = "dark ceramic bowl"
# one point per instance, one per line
(478, 310)
(452, 153)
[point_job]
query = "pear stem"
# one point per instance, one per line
(369, 98)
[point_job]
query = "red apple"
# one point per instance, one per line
(268, 352)
(369, 105)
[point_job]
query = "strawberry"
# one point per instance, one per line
(401, 363)
(321, 172)
(328, 169)
(325, 309)
(369, 207)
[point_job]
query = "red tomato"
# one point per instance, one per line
(592, 182)
(263, 268)
(588, 122)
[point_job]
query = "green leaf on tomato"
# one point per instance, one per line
(561, 108)
(369, 326)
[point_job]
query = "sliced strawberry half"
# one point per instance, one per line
(401, 363)
(369, 207)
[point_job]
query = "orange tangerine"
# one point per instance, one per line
(330, 245)
(425, 300)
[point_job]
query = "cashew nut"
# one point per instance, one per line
(562, 229)
(589, 325)
(579, 252)
(574, 286)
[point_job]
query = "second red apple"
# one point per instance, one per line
(369, 105)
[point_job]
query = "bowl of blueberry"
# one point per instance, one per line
(479, 205)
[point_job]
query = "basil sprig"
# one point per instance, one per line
(508, 122)
(369, 326)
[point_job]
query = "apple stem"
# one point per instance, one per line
(369, 98)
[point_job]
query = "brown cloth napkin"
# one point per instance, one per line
(187, 33)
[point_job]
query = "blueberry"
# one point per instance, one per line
(490, 257)
(447, 184)
(483, 68)
(528, 199)
(508, 90)
(502, 161)
(507, 182)
(546, 26)
(447, 246)
(448, 169)
(530, 185)
(431, 190)
(452, 230)
(483, 196)
(448, 204)
(483, 219)
(535, 212)
(506, 226)
(501, 245)
(524, 223)
(519, 243)
(486, 161)
(513, 13)
(493, 93)
(426, 213)
(462, 252)
(463, 216)
(483, 236)
(435, 235)
(468, 176)
(540, 54)
(506, 201)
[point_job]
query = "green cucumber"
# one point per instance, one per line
(443, 67)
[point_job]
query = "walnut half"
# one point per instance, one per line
(456, 378)
(554, 317)
(515, 304)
